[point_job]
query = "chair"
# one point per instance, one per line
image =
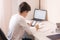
(2, 35)
(26, 36)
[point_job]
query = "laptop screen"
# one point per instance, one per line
(40, 14)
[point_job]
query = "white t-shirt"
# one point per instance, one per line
(17, 27)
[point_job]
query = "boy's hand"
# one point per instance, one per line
(29, 24)
(37, 27)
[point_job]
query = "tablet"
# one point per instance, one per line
(34, 23)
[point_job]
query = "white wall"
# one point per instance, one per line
(5, 14)
(33, 3)
(14, 6)
(1, 12)
(53, 9)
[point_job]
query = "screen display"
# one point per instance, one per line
(40, 14)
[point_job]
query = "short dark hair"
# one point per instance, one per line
(24, 7)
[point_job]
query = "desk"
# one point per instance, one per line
(48, 29)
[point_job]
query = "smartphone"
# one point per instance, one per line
(34, 23)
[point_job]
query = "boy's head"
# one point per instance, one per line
(24, 8)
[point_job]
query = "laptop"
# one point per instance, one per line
(39, 15)
(54, 37)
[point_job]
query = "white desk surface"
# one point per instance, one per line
(47, 28)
